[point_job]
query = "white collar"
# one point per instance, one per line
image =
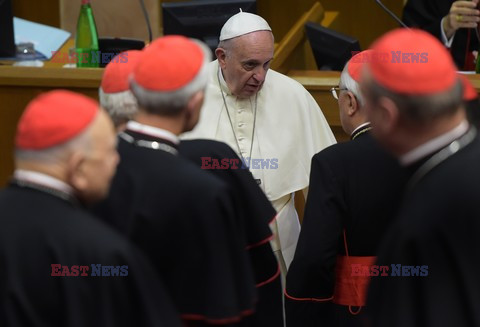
(153, 131)
(434, 144)
(223, 84)
(43, 180)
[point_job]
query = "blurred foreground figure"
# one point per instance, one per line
(59, 266)
(428, 257)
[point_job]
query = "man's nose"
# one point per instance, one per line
(259, 74)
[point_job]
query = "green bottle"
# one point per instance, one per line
(86, 40)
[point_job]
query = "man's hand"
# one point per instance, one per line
(462, 14)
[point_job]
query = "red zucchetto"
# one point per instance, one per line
(357, 62)
(413, 62)
(115, 77)
(54, 118)
(168, 64)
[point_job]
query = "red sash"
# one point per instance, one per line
(351, 289)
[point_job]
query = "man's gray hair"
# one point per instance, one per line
(58, 153)
(227, 45)
(172, 103)
(121, 106)
(346, 81)
(421, 108)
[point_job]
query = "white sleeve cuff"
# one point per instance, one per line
(448, 43)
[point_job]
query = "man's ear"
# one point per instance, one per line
(352, 104)
(389, 114)
(195, 103)
(75, 171)
(192, 111)
(221, 55)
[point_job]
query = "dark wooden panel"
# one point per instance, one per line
(364, 19)
(41, 11)
(19, 85)
(281, 15)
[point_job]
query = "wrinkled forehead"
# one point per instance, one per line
(256, 45)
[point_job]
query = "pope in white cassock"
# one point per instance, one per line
(269, 119)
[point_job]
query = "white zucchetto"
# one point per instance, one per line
(241, 24)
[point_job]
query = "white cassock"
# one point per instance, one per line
(289, 129)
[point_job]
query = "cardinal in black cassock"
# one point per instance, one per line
(430, 251)
(59, 266)
(256, 212)
(183, 218)
(355, 189)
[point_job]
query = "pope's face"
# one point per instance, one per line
(246, 61)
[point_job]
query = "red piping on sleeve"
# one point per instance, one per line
(268, 239)
(271, 279)
(307, 299)
(223, 321)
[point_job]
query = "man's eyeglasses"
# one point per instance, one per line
(336, 90)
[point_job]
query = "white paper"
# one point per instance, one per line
(45, 39)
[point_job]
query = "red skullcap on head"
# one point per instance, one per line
(168, 64)
(54, 118)
(116, 74)
(469, 92)
(412, 62)
(357, 62)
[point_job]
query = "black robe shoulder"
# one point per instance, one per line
(432, 250)
(40, 234)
